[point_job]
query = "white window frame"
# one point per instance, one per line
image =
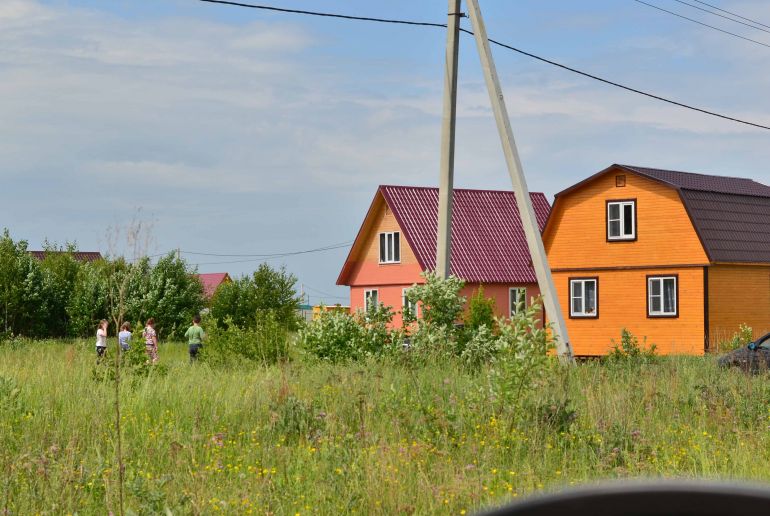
(622, 220)
(406, 304)
(582, 312)
(521, 301)
(390, 255)
(367, 297)
(662, 296)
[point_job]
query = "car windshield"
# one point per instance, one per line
(764, 342)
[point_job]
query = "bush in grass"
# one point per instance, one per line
(481, 347)
(522, 356)
(740, 339)
(481, 312)
(629, 349)
(442, 304)
(265, 342)
(334, 336)
(338, 336)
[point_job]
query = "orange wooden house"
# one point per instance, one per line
(397, 242)
(679, 258)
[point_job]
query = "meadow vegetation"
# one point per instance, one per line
(456, 412)
(371, 436)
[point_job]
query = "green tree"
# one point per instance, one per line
(23, 303)
(88, 302)
(481, 312)
(60, 272)
(172, 297)
(441, 301)
(275, 290)
(268, 289)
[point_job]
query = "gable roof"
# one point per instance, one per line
(488, 242)
(731, 215)
(211, 282)
(81, 256)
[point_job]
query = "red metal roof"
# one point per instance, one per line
(81, 256)
(211, 282)
(488, 242)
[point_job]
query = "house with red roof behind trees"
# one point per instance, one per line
(397, 242)
(212, 281)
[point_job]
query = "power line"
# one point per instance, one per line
(732, 13)
(722, 16)
(514, 49)
(322, 293)
(701, 23)
(326, 15)
(268, 255)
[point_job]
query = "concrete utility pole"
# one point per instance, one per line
(446, 179)
(527, 213)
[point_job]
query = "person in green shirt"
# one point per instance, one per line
(195, 338)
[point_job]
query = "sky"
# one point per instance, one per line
(237, 131)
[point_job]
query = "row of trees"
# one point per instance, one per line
(60, 296)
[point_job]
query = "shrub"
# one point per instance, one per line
(267, 289)
(481, 312)
(266, 342)
(522, 357)
(440, 298)
(740, 339)
(338, 336)
(481, 348)
(629, 348)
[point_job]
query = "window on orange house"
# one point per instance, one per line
(517, 300)
(621, 220)
(584, 299)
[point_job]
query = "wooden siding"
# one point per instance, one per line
(576, 234)
(623, 304)
(367, 270)
(738, 294)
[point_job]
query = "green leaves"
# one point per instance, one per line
(267, 289)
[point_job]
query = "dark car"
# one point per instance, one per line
(753, 358)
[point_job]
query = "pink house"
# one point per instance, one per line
(397, 242)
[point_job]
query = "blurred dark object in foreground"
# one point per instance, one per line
(659, 498)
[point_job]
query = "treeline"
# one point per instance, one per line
(60, 296)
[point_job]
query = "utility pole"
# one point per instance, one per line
(446, 178)
(526, 212)
(178, 254)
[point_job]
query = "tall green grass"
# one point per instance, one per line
(370, 438)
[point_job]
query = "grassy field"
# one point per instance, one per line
(372, 438)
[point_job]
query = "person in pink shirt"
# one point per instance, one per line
(151, 341)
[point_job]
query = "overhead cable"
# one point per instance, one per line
(722, 16)
(732, 13)
(701, 23)
(509, 47)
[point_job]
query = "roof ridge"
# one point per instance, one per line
(487, 190)
(638, 167)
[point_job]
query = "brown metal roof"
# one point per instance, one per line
(704, 182)
(81, 256)
(733, 228)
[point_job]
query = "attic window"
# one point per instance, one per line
(621, 220)
(620, 180)
(390, 247)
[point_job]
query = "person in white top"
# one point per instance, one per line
(101, 338)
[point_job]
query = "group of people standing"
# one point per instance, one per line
(194, 335)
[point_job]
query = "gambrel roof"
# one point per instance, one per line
(730, 214)
(488, 242)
